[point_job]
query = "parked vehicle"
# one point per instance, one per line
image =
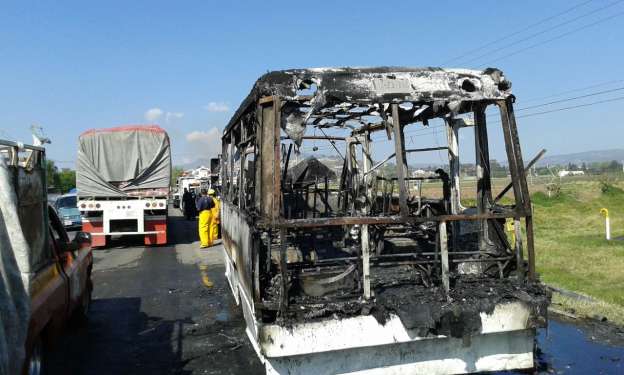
(175, 197)
(66, 207)
(55, 272)
(123, 176)
(193, 185)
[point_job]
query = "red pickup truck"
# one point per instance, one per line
(59, 291)
(45, 279)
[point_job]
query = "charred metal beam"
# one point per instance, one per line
(286, 162)
(518, 248)
(516, 168)
(283, 269)
(367, 161)
(318, 137)
(453, 155)
(484, 187)
(277, 191)
(365, 243)
(380, 220)
(425, 149)
(511, 154)
(444, 256)
(513, 130)
(241, 169)
(410, 178)
(452, 130)
(258, 159)
(399, 149)
(530, 248)
(326, 196)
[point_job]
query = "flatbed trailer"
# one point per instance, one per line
(123, 176)
(358, 271)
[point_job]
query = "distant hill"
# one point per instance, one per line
(583, 157)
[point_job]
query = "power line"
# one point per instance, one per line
(518, 31)
(572, 107)
(531, 36)
(497, 121)
(557, 37)
(573, 90)
(569, 99)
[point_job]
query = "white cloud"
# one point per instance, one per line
(173, 115)
(204, 137)
(153, 114)
(203, 144)
(217, 107)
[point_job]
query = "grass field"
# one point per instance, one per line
(571, 249)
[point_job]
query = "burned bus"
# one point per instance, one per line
(353, 263)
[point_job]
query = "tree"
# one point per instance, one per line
(60, 182)
(67, 180)
(496, 169)
(52, 178)
(175, 173)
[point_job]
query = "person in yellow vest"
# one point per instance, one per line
(216, 216)
(205, 204)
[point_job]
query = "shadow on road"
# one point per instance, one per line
(182, 231)
(152, 314)
(121, 339)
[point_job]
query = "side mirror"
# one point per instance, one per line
(83, 239)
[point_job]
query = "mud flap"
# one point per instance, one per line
(95, 228)
(159, 226)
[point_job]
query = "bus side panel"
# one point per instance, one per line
(236, 232)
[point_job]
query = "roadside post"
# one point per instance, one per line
(605, 213)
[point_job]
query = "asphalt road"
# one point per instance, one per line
(152, 313)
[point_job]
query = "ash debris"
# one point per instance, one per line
(429, 311)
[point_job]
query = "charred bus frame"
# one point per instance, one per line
(291, 253)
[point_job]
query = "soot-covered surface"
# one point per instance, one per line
(427, 310)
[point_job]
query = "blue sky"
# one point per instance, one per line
(72, 66)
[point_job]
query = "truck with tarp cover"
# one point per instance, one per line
(364, 267)
(122, 179)
(45, 277)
